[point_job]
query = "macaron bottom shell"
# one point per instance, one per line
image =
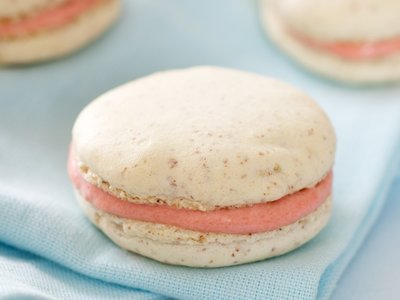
(180, 246)
(176, 246)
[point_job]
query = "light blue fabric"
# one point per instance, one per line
(26, 276)
(38, 211)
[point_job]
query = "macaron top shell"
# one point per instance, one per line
(18, 8)
(213, 136)
(342, 20)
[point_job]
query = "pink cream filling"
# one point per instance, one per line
(352, 50)
(260, 217)
(46, 19)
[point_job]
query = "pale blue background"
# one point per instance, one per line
(375, 271)
(39, 215)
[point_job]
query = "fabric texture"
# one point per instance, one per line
(50, 250)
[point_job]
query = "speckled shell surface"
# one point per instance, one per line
(210, 137)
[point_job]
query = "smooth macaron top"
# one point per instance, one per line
(211, 136)
(19, 8)
(342, 20)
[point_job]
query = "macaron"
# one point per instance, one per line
(38, 30)
(204, 167)
(356, 42)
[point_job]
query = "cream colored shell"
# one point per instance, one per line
(178, 246)
(19, 8)
(341, 20)
(61, 41)
(213, 136)
(370, 71)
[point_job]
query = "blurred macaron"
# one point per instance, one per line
(352, 41)
(38, 30)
